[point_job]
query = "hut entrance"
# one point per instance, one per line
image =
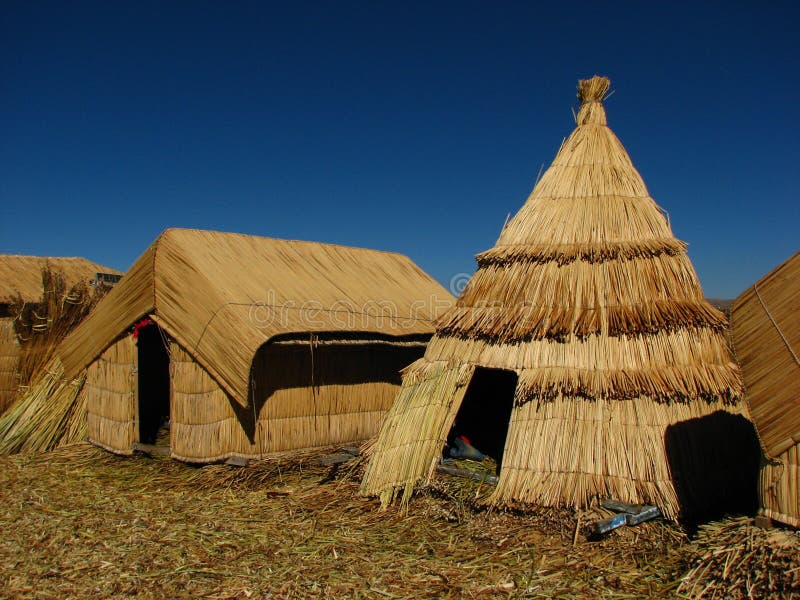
(153, 372)
(485, 412)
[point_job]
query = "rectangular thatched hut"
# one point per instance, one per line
(21, 282)
(251, 345)
(766, 334)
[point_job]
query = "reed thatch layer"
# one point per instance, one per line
(9, 361)
(21, 276)
(203, 285)
(673, 366)
(564, 254)
(49, 414)
(567, 452)
(531, 300)
(111, 393)
(779, 487)
(766, 333)
(595, 306)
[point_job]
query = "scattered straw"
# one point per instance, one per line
(735, 559)
(90, 524)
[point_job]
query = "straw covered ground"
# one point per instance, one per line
(79, 522)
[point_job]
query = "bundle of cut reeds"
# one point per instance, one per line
(50, 413)
(736, 559)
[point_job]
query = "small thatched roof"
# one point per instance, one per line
(23, 274)
(590, 299)
(765, 320)
(223, 295)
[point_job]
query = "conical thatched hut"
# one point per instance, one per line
(581, 355)
(250, 345)
(765, 320)
(21, 283)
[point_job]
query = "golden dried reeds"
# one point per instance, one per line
(201, 286)
(9, 360)
(305, 395)
(736, 559)
(589, 298)
(50, 413)
(765, 321)
(41, 325)
(779, 487)
(766, 335)
(111, 398)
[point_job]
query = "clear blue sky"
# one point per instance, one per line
(407, 126)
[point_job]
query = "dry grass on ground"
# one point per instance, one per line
(80, 523)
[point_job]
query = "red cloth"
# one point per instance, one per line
(141, 325)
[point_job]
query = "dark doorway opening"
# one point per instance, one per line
(153, 372)
(715, 463)
(485, 412)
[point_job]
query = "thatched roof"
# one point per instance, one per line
(765, 320)
(593, 302)
(223, 295)
(23, 274)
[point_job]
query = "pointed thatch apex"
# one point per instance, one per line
(591, 93)
(594, 89)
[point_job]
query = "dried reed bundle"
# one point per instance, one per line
(589, 298)
(49, 414)
(735, 559)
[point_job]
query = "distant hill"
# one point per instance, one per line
(723, 305)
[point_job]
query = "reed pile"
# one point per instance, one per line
(89, 524)
(50, 413)
(736, 559)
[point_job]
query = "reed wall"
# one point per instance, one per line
(779, 487)
(111, 398)
(568, 451)
(203, 424)
(312, 395)
(9, 360)
(305, 396)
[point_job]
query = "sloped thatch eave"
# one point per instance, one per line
(765, 323)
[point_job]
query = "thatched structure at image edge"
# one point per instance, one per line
(625, 386)
(765, 322)
(27, 284)
(271, 344)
